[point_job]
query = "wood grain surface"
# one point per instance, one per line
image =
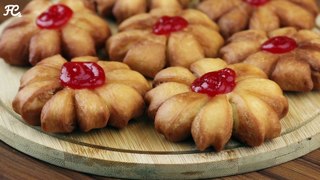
(15, 165)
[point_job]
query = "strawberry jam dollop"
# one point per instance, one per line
(214, 83)
(166, 25)
(55, 17)
(256, 2)
(82, 75)
(279, 45)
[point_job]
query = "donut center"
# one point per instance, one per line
(256, 2)
(166, 25)
(55, 17)
(82, 75)
(279, 45)
(214, 83)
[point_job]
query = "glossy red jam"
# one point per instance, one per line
(214, 83)
(82, 75)
(166, 25)
(279, 45)
(256, 2)
(55, 17)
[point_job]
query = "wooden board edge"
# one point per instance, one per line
(178, 169)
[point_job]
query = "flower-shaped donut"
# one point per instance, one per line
(149, 42)
(67, 27)
(84, 93)
(213, 100)
(288, 56)
(123, 9)
(236, 15)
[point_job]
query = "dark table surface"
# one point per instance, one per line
(16, 165)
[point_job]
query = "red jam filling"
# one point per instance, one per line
(82, 75)
(279, 45)
(256, 2)
(214, 83)
(166, 25)
(55, 17)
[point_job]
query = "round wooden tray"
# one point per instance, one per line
(138, 151)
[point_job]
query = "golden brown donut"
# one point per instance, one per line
(59, 108)
(236, 15)
(295, 70)
(123, 9)
(251, 112)
(143, 50)
(23, 42)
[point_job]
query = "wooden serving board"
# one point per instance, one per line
(138, 151)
